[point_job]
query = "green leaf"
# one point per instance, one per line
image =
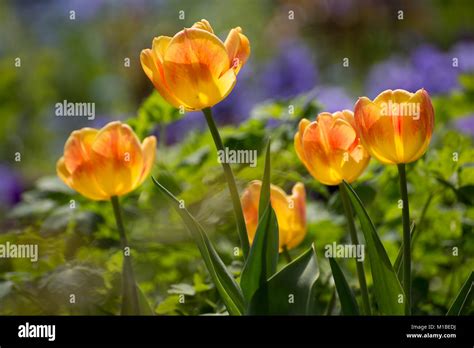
(386, 285)
(464, 298)
(227, 287)
(346, 296)
(129, 287)
(265, 190)
(145, 308)
(291, 290)
(262, 261)
(263, 257)
(398, 265)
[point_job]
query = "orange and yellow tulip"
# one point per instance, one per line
(290, 211)
(194, 69)
(101, 164)
(330, 148)
(395, 127)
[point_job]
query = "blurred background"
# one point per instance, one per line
(313, 55)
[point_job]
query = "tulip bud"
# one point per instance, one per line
(100, 164)
(330, 148)
(290, 211)
(395, 127)
(194, 69)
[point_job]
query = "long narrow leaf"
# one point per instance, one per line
(263, 256)
(291, 290)
(262, 261)
(464, 298)
(346, 296)
(265, 190)
(227, 287)
(387, 288)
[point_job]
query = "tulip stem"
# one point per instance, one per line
(129, 285)
(406, 237)
(287, 255)
(355, 240)
(239, 215)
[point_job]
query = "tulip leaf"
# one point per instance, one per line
(388, 290)
(349, 304)
(263, 256)
(129, 291)
(227, 287)
(464, 298)
(291, 290)
(265, 189)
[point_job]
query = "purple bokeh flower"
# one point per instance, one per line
(290, 73)
(427, 68)
(10, 186)
(464, 52)
(392, 74)
(465, 124)
(333, 98)
(435, 69)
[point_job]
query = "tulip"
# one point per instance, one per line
(104, 164)
(101, 164)
(290, 211)
(330, 148)
(194, 69)
(395, 127)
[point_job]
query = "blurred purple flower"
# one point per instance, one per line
(178, 130)
(392, 74)
(465, 124)
(435, 69)
(464, 51)
(333, 98)
(291, 73)
(10, 186)
(427, 68)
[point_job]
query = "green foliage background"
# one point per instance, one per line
(79, 248)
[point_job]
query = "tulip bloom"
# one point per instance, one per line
(101, 164)
(330, 148)
(290, 211)
(395, 127)
(194, 69)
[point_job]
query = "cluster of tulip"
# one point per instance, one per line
(195, 70)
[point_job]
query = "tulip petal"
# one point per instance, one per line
(149, 153)
(78, 147)
(118, 159)
(238, 48)
(193, 63)
(298, 219)
(204, 25)
(152, 65)
(250, 201)
(62, 171)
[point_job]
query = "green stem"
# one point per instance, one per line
(406, 238)
(129, 287)
(234, 194)
(355, 240)
(287, 255)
